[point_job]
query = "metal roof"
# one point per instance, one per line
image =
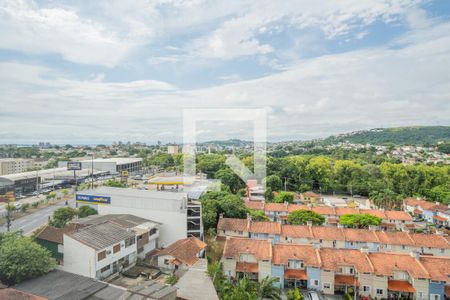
(101, 236)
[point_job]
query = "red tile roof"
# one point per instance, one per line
(323, 210)
(297, 231)
(345, 211)
(295, 274)
(439, 218)
(374, 212)
(332, 259)
(360, 235)
(400, 286)
(275, 207)
(13, 294)
(394, 238)
(328, 233)
(246, 267)
(184, 250)
(258, 205)
(265, 227)
(283, 252)
(437, 267)
(56, 235)
(386, 263)
(430, 240)
(234, 246)
(397, 215)
(232, 224)
(294, 207)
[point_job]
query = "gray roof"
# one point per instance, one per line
(102, 235)
(60, 285)
(134, 193)
(123, 220)
(196, 284)
(150, 290)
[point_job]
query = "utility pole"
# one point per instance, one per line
(8, 217)
(92, 171)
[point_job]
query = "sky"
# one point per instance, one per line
(112, 70)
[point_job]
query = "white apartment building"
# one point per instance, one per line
(15, 165)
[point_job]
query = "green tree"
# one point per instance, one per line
(51, 196)
(266, 289)
(359, 220)
(171, 279)
(301, 216)
(62, 215)
(21, 258)
(294, 294)
(229, 178)
(258, 215)
(273, 182)
(86, 210)
(114, 183)
(282, 197)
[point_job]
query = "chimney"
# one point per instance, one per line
(286, 204)
(309, 223)
(316, 245)
(373, 227)
(221, 216)
(249, 217)
(339, 225)
(364, 250)
(415, 254)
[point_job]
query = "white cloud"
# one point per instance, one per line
(408, 84)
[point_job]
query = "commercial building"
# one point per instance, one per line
(115, 165)
(387, 275)
(28, 182)
(179, 215)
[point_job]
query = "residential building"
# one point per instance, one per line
(335, 237)
(182, 254)
(255, 191)
(431, 212)
(394, 220)
(377, 275)
(247, 256)
(173, 149)
(15, 165)
(99, 246)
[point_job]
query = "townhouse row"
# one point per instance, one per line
(336, 237)
(391, 219)
(379, 275)
(432, 212)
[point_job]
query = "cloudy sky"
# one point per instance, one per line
(102, 71)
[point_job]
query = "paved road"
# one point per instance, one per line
(30, 222)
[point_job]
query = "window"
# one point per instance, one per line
(101, 255)
(104, 269)
(380, 292)
(435, 297)
(166, 261)
(442, 251)
(326, 285)
(315, 282)
(366, 288)
(130, 241)
(240, 232)
(420, 295)
(116, 248)
(352, 271)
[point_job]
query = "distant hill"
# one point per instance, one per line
(419, 135)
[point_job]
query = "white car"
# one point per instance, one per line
(313, 295)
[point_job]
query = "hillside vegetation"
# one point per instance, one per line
(422, 135)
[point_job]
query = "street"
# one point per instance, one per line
(32, 221)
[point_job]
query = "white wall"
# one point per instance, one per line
(78, 258)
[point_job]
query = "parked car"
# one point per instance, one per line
(313, 295)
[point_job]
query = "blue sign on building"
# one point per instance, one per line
(92, 199)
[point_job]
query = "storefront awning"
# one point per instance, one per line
(345, 280)
(439, 218)
(295, 274)
(247, 267)
(400, 286)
